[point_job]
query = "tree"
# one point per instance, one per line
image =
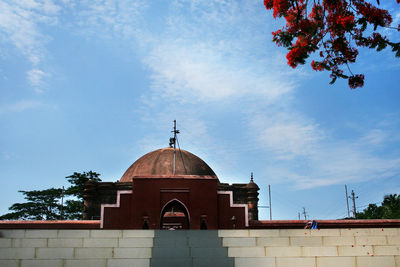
(389, 209)
(46, 204)
(391, 203)
(334, 28)
(74, 207)
(40, 205)
(372, 212)
(78, 181)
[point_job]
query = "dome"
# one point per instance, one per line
(159, 163)
(252, 185)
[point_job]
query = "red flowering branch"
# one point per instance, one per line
(334, 28)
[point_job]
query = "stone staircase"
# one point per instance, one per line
(189, 248)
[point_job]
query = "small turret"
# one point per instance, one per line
(252, 193)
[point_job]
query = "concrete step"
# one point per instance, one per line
(202, 242)
(189, 248)
(176, 262)
(187, 241)
(170, 253)
(213, 262)
(192, 262)
(170, 242)
(183, 252)
(209, 252)
(187, 233)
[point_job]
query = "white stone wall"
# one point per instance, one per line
(75, 248)
(373, 247)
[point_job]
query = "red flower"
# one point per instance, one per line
(317, 66)
(332, 28)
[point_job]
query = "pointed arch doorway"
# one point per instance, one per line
(174, 216)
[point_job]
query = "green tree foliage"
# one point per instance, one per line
(389, 209)
(40, 205)
(78, 180)
(74, 207)
(46, 204)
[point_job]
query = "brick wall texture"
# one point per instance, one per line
(375, 247)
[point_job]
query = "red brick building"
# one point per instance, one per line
(170, 188)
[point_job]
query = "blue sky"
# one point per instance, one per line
(93, 85)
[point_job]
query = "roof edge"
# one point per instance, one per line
(183, 176)
(57, 224)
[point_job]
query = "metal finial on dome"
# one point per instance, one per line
(251, 178)
(172, 141)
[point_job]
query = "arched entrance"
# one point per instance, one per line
(174, 216)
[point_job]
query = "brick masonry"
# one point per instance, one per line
(377, 247)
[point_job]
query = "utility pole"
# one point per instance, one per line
(299, 215)
(62, 203)
(304, 213)
(353, 197)
(347, 201)
(270, 207)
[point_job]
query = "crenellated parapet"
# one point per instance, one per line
(97, 193)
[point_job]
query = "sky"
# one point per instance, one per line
(94, 85)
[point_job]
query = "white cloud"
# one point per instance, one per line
(286, 134)
(347, 164)
(108, 18)
(301, 153)
(199, 72)
(35, 78)
(20, 25)
(191, 63)
(19, 21)
(375, 137)
(20, 106)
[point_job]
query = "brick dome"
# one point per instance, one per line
(159, 163)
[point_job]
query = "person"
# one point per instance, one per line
(311, 225)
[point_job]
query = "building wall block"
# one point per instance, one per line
(248, 248)
(75, 248)
(314, 248)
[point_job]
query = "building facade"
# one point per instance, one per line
(170, 189)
